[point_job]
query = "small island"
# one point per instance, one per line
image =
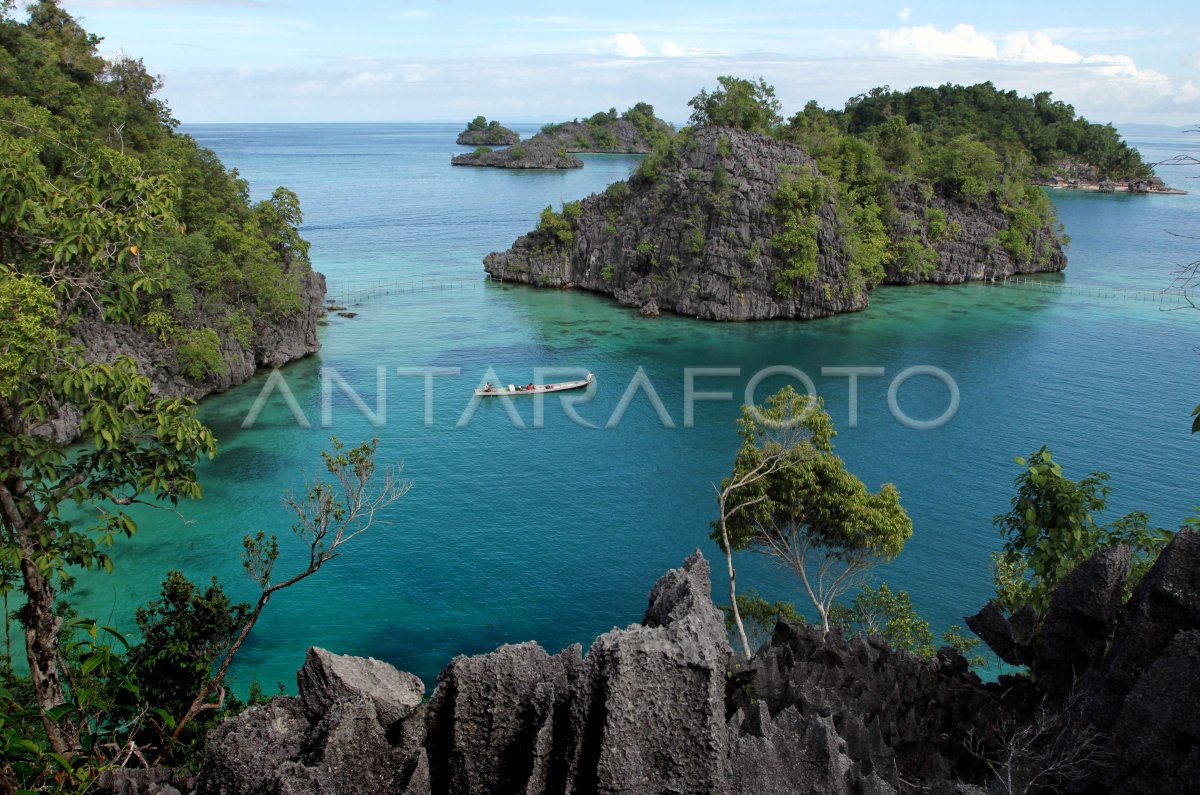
(481, 132)
(743, 216)
(636, 131)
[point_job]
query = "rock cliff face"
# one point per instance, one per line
(665, 707)
(552, 147)
(697, 239)
(274, 344)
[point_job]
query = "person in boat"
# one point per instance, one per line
(487, 387)
(529, 387)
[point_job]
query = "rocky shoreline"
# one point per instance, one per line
(665, 706)
(274, 345)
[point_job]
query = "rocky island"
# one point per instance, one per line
(744, 217)
(481, 132)
(735, 225)
(633, 132)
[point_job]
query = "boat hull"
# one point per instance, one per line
(538, 389)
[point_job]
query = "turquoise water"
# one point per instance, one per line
(557, 533)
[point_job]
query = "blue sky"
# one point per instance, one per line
(296, 60)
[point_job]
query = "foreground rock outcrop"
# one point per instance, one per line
(700, 238)
(1110, 706)
(274, 344)
(651, 708)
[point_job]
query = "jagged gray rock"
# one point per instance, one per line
(1011, 637)
(492, 720)
(328, 678)
(644, 711)
(897, 720)
(244, 755)
(697, 239)
(531, 154)
(1079, 622)
(664, 707)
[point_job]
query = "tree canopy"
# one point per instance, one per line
(807, 511)
(1052, 526)
(88, 152)
(738, 102)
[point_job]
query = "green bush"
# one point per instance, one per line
(199, 353)
(914, 258)
(797, 200)
(560, 227)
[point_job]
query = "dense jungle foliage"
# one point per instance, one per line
(86, 146)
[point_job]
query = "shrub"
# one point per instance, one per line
(199, 353)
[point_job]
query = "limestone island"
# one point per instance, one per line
(745, 217)
(635, 131)
(481, 132)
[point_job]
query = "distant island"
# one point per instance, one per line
(636, 131)
(481, 132)
(743, 216)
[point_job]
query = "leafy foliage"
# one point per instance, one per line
(741, 103)
(560, 227)
(807, 510)
(182, 631)
(1047, 129)
(96, 185)
(797, 202)
(891, 615)
(1052, 527)
(762, 615)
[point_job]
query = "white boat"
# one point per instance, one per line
(490, 390)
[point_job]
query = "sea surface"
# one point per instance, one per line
(555, 531)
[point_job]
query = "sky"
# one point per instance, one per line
(450, 60)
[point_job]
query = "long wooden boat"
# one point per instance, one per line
(490, 390)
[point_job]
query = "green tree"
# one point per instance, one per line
(78, 250)
(810, 513)
(741, 103)
(182, 633)
(332, 513)
(761, 614)
(891, 615)
(1052, 527)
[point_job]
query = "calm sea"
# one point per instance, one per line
(556, 533)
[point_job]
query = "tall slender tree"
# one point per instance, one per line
(808, 512)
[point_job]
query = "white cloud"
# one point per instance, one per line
(671, 49)
(627, 45)
(929, 42)
(370, 78)
(1036, 48)
(904, 13)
